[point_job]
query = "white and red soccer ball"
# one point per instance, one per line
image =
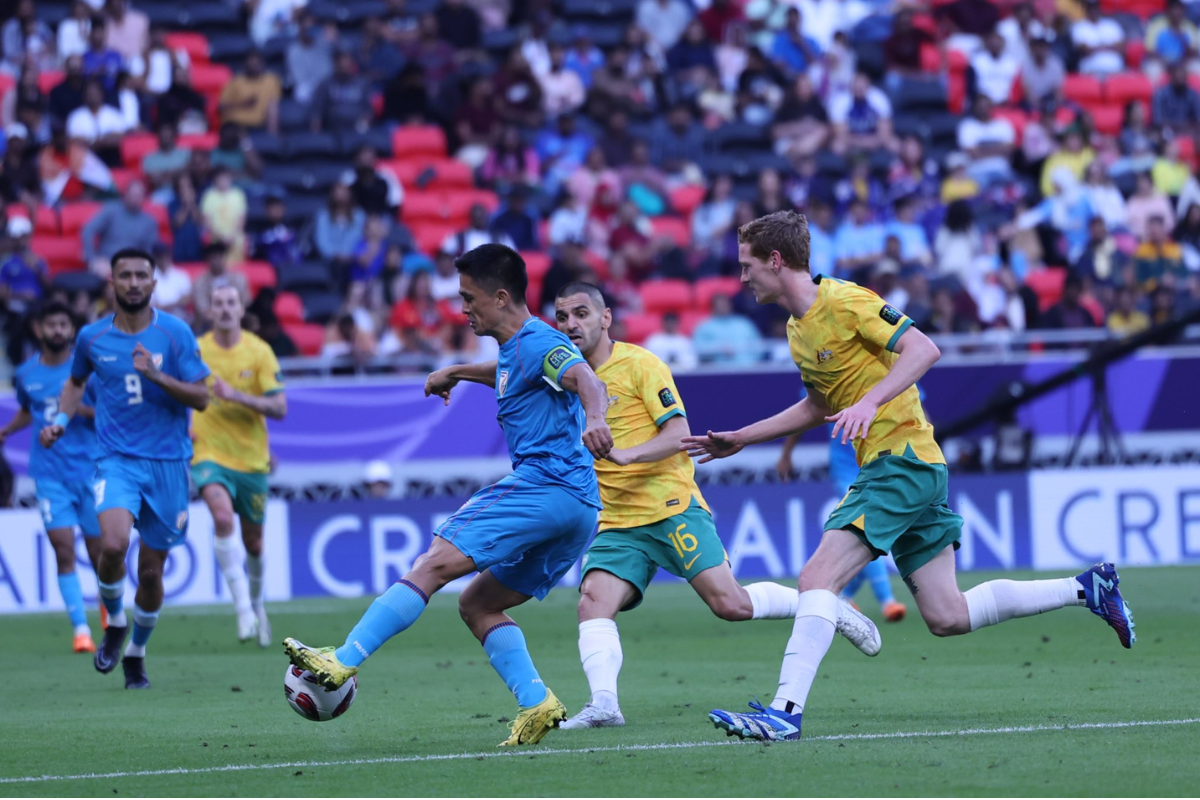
(311, 700)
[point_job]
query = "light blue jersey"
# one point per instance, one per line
(72, 458)
(543, 424)
(135, 417)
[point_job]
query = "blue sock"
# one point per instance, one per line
(392, 612)
(113, 597)
(72, 595)
(877, 573)
(855, 583)
(505, 646)
(143, 626)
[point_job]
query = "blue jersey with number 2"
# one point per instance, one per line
(135, 417)
(73, 456)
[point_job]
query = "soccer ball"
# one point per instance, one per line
(311, 700)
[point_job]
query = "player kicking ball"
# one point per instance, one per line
(148, 373)
(231, 459)
(62, 476)
(860, 360)
(654, 515)
(521, 534)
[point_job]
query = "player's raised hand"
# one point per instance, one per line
(143, 362)
(597, 438)
(440, 383)
(50, 434)
(711, 445)
(852, 423)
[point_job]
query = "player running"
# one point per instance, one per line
(843, 469)
(148, 373)
(521, 534)
(62, 477)
(654, 515)
(860, 360)
(231, 459)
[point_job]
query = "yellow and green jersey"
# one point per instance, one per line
(641, 397)
(228, 433)
(843, 346)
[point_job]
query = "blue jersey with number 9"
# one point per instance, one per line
(134, 417)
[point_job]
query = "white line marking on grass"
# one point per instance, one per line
(564, 751)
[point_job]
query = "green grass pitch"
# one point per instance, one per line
(995, 713)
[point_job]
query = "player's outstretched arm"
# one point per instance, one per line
(273, 405)
(68, 406)
(592, 392)
(662, 445)
(805, 415)
(193, 395)
(444, 380)
(22, 419)
(917, 353)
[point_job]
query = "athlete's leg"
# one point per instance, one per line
(483, 606)
(230, 558)
(115, 527)
(252, 540)
(949, 612)
(601, 597)
(731, 601)
(62, 540)
(147, 603)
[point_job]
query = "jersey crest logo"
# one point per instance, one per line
(824, 355)
(889, 315)
(666, 397)
(157, 359)
(502, 384)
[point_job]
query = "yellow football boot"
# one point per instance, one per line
(320, 661)
(532, 724)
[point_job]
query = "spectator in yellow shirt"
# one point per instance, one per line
(1126, 319)
(251, 99)
(1072, 154)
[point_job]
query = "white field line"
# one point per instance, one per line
(565, 751)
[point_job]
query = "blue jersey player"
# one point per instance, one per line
(147, 370)
(521, 534)
(63, 476)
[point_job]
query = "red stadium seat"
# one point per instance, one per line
(956, 92)
(49, 79)
(308, 337)
(1047, 284)
(410, 141)
(423, 206)
(289, 307)
(7, 81)
(259, 276)
(76, 215)
(430, 236)
(638, 327)
(198, 141)
(445, 173)
(1108, 119)
(45, 221)
(62, 254)
(210, 79)
(665, 295)
(533, 295)
(135, 147)
(194, 44)
(708, 288)
(1135, 51)
(672, 228)
(1120, 89)
(536, 264)
(598, 263)
(460, 201)
(1083, 89)
(1017, 118)
(1187, 150)
(956, 62)
(689, 320)
(687, 199)
(931, 58)
(122, 177)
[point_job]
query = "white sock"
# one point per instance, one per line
(82, 629)
(231, 561)
(254, 569)
(772, 600)
(816, 624)
(996, 601)
(600, 652)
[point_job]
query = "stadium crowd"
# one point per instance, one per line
(984, 166)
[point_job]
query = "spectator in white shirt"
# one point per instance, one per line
(173, 287)
(663, 20)
(1018, 30)
(988, 141)
(156, 68)
(824, 18)
(479, 232)
(271, 18)
(1100, 41)
(73, 31)
(995, 70)
(671, 346)
(562, 88)
(97, 124)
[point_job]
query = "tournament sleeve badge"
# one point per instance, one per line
(890, 315)
(666, 397)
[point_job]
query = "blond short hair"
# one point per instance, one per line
(785, 232)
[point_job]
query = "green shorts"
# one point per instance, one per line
(684, 545)
(247, 490)
(898, 505)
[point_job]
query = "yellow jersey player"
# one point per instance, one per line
(860, 360)
(654, 515)
(231, 459)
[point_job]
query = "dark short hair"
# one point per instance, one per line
(131, 252)
(495, 267)
(583, 287)
(56, 307)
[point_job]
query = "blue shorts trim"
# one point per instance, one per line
(154, 492)
(529, 535)
(67, 504)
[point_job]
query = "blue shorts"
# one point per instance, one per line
(154, 492)
(65, 504)
(529, 535)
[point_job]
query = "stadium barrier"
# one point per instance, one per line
(1053, 520)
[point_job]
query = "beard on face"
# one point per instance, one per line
(132, 308)
(56, 345)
